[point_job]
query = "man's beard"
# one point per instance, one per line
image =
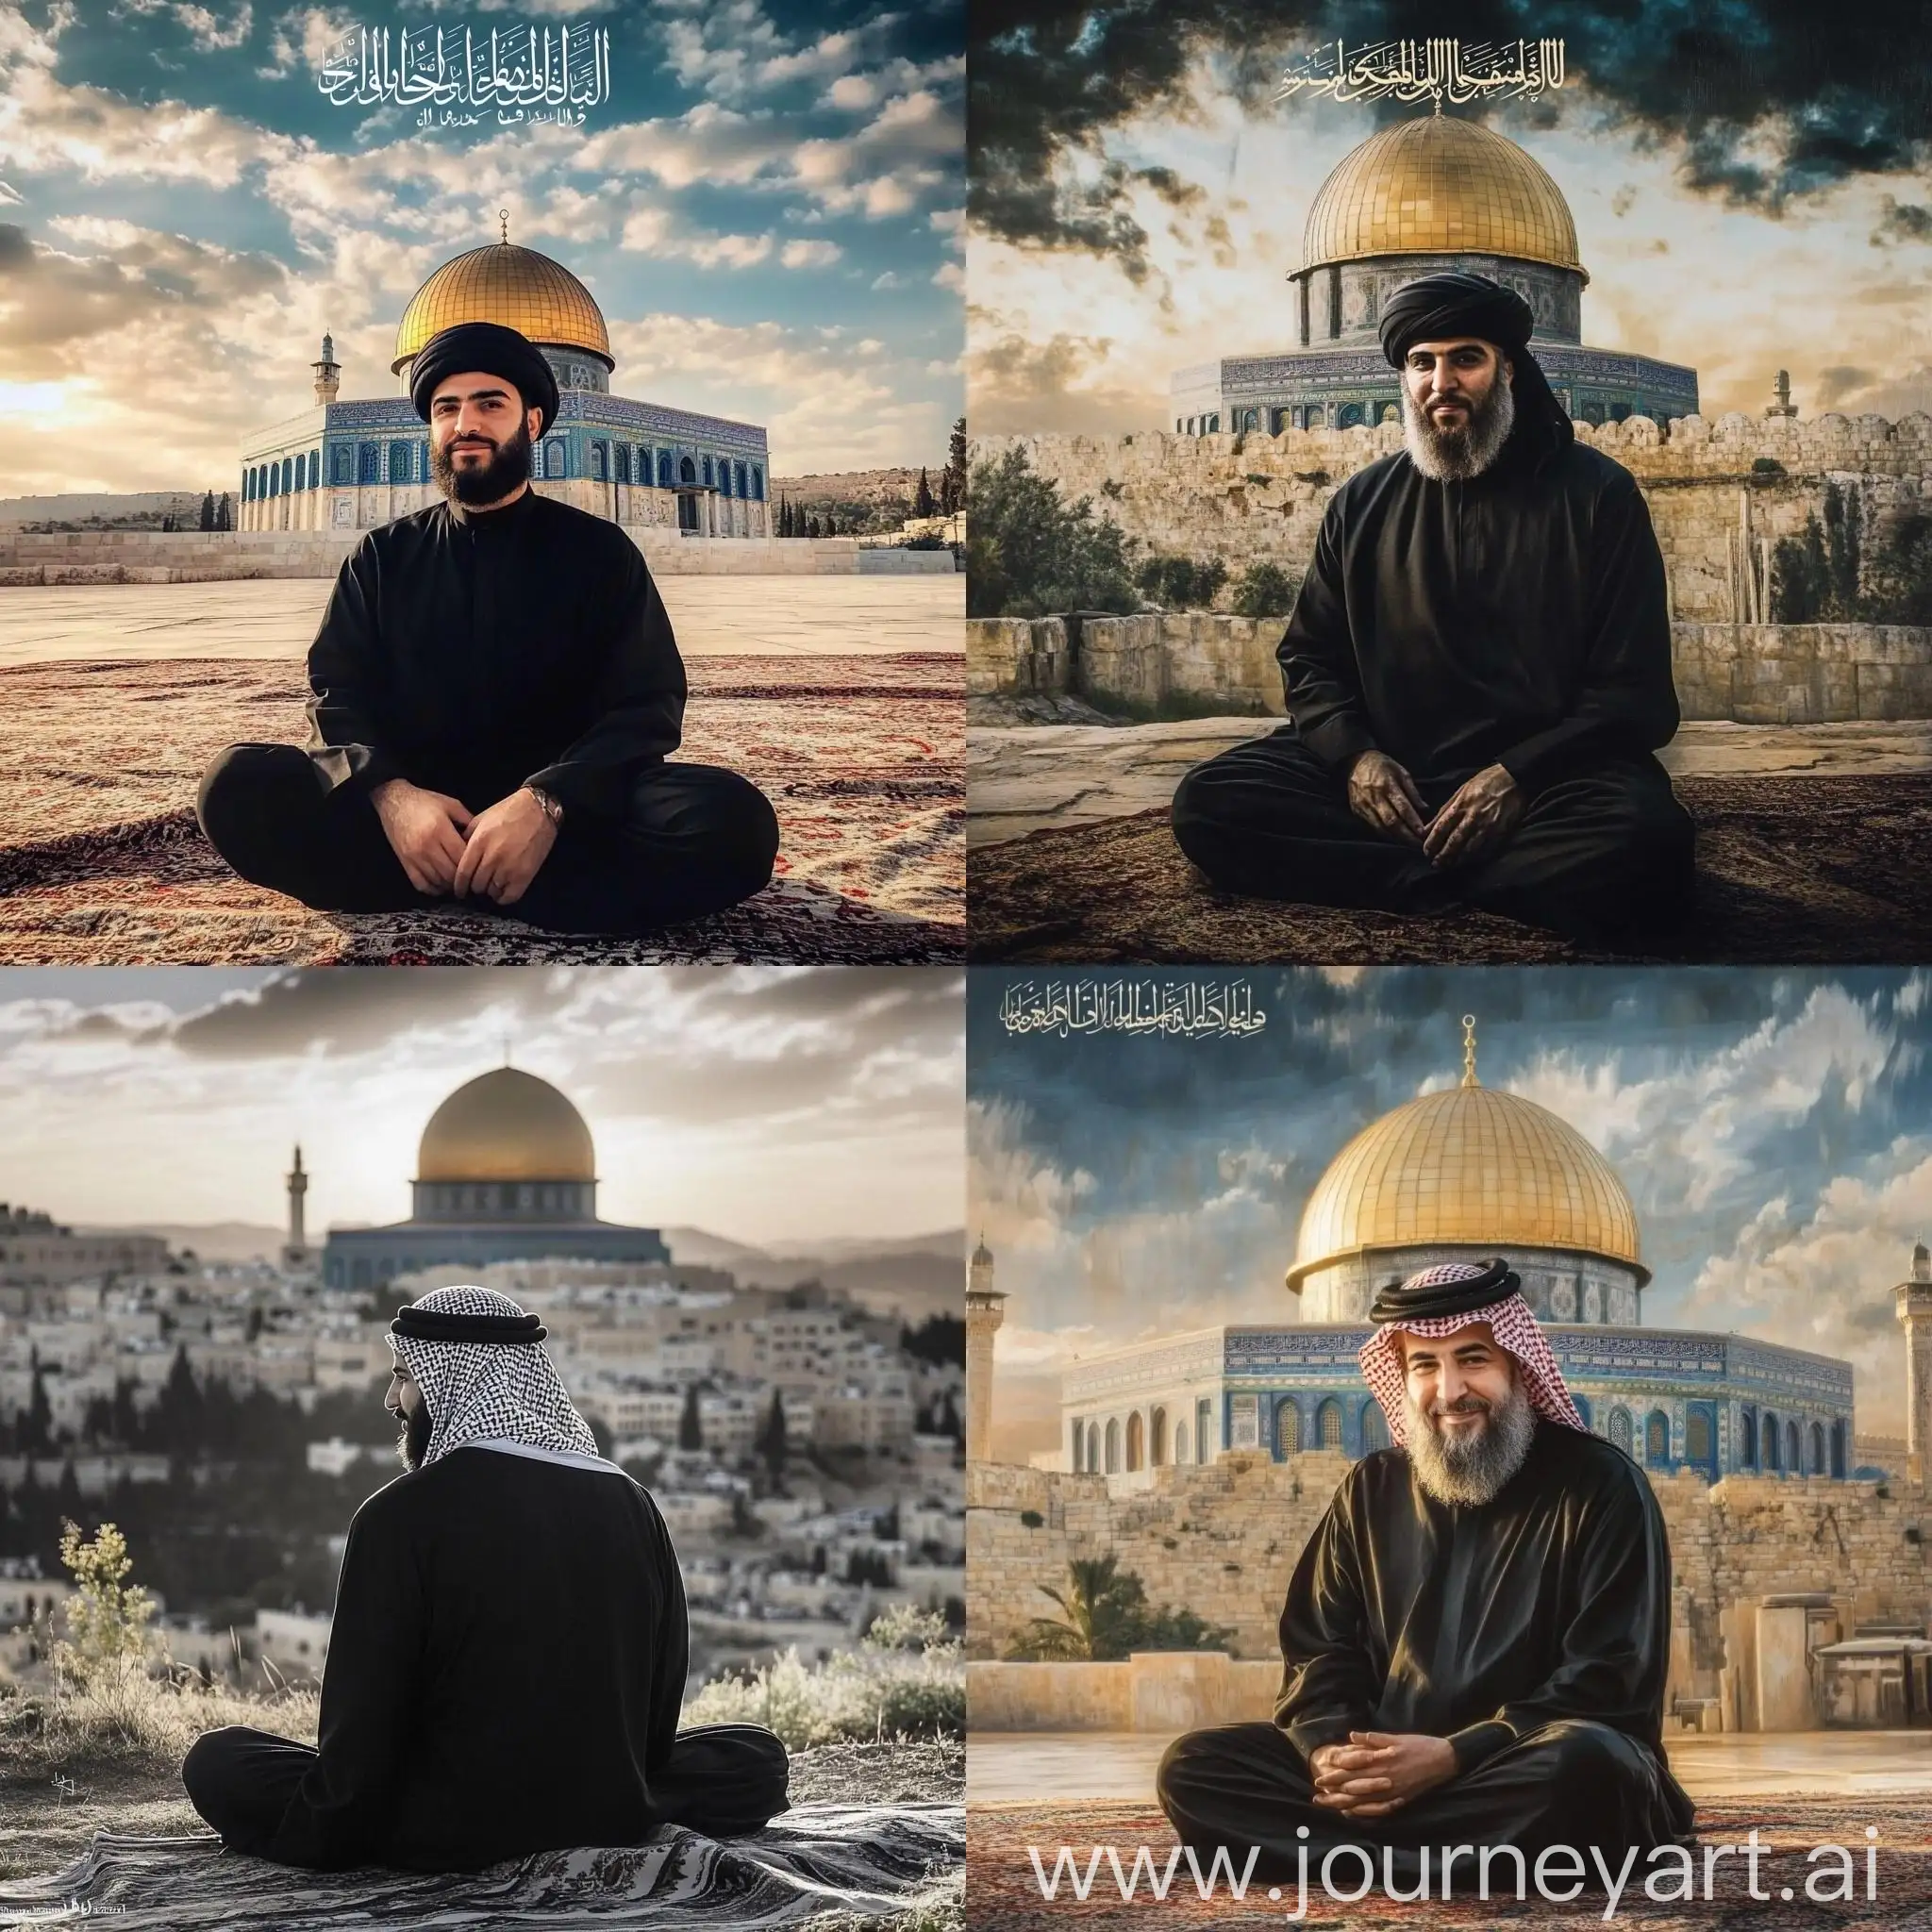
(1470, 1470)
(412, 1445)
(488, 481)
(1453, 456)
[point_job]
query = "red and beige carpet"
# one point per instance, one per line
(102, 863)
(1835, 869)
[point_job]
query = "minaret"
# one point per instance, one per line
(295, 1254)
(1913, 1302)
(984, 1315)
(329, 373)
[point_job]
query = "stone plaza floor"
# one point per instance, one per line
(265, 617)
(1025, 779)
(1010, 1767)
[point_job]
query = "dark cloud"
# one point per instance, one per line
(1901, 220)
(1839, 381)
(1825, 95)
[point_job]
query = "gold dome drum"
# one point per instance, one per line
(1474, 1168)
(1438, 186)
(511, 285)
(506, 1125)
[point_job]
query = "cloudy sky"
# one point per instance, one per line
(767, 212)
(770, 1106)
(1750, 180)
(1774, 1128)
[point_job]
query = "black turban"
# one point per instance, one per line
(1440, 307)
(494, 350)
(1423, 1299)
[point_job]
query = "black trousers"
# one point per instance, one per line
(721, 1780)
(1606, 851)
(696, 839)
(1574, 1783)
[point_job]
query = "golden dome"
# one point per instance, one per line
(1470, 1167)
(1439, 186)
(506, 1125)
(516, 287)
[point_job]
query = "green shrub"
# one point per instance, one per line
(1179, 583)
(1030, 555)
(1104, 1616)
(1265, 590)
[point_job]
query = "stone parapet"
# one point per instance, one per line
(1745, 674)
(1161, 1692)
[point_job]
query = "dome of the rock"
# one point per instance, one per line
(503, 283)
(1436, 186)
(1468, 1167)
(506, 1125)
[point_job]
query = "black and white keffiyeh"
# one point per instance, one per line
(497, 1388)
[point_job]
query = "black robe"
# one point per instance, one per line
(504, 1671)
(1533, 1634)
(1482, 1625)
(471, 653)
(1519, 618)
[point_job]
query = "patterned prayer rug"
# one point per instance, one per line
(102, 863)
(828, 1863)
(1005, 1895)
(1837, 870)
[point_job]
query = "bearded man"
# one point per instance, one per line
(1477, 1636)
(494, 695)
(509, 1645)
(1478, 667)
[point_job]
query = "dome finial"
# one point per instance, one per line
(1469, 1078)
(503, 221)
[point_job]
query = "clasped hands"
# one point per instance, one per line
(1471, 824)
(1375, 1773)
(445, 848)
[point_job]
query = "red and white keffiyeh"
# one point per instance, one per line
(1510, 1321)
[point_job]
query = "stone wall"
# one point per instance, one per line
(155, 557)
(1749, 674)
(1719, 494)
(1222, 1539)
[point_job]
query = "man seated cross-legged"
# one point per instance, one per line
(1477, 666)
(496, 694)
(509, 1645)
(1476, 1637)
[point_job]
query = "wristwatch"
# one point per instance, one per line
(550, 808)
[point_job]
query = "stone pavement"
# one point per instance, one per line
(268, 617)
(1024, 778)
(1018, 1767)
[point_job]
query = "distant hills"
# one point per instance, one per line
(914, 1277)
(139, 509)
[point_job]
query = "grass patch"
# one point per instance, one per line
(1175, 708)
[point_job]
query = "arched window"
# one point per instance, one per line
(686, 470)
(1620, 1429)
(1279, 420)
(1747, 1439)
(368, 463)
(1251, 419)
(288, 475)
(1818, 1461)
(1156, 1445)
(1657, 1439)
(1374, 1428)
(757, 484)
(553, 457)
(315, 469)
(1771, 1440)
(1391, 413)
(1205, 1435)
(399, 464)
(248, 485)
(1795, 1452)
(620, 455)
(1318, 415)
(666, 474)
(301, 471)
(1137, 1441)
(1113, 1444)
(1697, 1446)
(1838, 1449)
(1350, 417)
(1329, 1425)
(1287, 1427)
(708, 477)
(1180, 1442)
(600, 461)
